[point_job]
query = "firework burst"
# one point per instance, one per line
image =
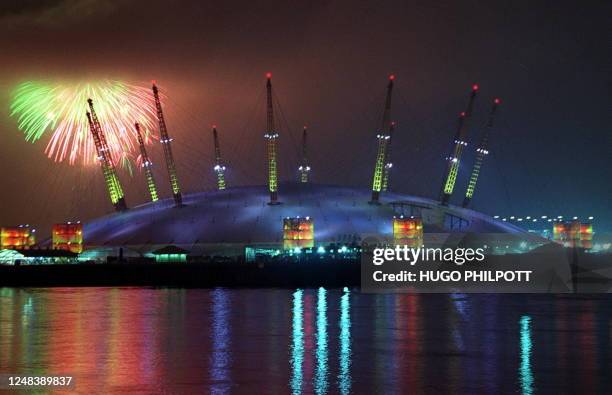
(58, 109)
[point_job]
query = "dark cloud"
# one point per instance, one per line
(19, 13)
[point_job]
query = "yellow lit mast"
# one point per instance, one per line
(108, 167)
(481, 152)
(166, 140)
(459, 142)
(146, 164)
(271, 137)
(383, 139)
(304, 167)
(219, 166)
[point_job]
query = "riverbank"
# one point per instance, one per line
(331, 273)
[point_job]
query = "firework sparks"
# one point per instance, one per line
(58, 109)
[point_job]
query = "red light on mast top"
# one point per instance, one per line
(497, 100)
(268, 75)
(214, 126)
(475, 87)
(462, 114)
(154, 82)
(392, 77)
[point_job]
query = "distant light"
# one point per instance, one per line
(392, 77)
(523, 244)
(528, 217)
(544, 217)
(475, 87)
(575, 218)
(512, 217)
(559, 216)
(297, 250)
(504, 219)
(549, 220)
(268, 75)
(343, 249)
(496, 216)
(321, 250)
(519, 219)
(535, 220)
(591, 218)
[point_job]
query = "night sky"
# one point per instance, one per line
(549, 62)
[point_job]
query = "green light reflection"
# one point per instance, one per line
(297, 348)
(525, 372)
(344, 376)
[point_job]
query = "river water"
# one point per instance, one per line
(277, 341)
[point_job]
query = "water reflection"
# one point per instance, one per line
(306, 341)
(221, 343)
(344, 376)
(320, 381)
(297, 344)
(525, 373)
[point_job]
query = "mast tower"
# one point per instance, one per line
(481, 152)
(383, 137)
(460, 141)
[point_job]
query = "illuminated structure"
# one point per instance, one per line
(17, 238)
(573, 234)
(219, 167)
(68, 237)
(304, 167)
(586, 235)
(459, 142)
(170, 254)
(383, 137)
(408, 231)
(388, 162)
(146, 164)
(481, 152)
(166, 140)
(298, 232)
(106, 160)
(271, 136)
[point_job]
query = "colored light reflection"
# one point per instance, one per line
(344, 376)
(525, 372)
(320, 379)
(297, 346)
(221, 354)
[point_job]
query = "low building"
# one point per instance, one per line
(170, 254)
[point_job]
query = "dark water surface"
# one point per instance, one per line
(268, 341)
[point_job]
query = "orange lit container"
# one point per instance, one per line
(298, 232)
(586, 235)
(68, 237)
(17, 238)
(574, 234)
(408, 231)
